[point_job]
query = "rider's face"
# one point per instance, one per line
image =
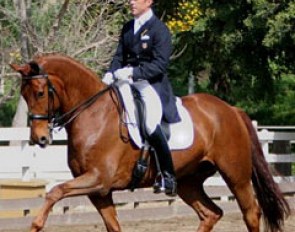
(139, 7)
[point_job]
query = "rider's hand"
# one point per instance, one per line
(124, 74)
(108, 78)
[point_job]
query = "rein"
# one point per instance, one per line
(73, 113)
(61, 121)
(58, 121)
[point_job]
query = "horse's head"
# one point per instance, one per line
(54, 83)
(42, 99)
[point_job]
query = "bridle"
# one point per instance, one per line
(51, 91)
(53, 116)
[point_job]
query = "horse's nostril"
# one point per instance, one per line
(43, 140)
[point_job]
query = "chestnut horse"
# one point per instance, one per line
(101, 161)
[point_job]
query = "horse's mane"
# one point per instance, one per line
(59, 56)
(44, 54)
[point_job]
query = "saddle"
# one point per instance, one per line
(179, 135)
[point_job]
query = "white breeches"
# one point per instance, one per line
(153, 105)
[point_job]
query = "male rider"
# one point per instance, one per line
(142, 57)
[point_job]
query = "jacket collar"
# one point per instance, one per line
(144, 28)
(132, 39)
(141, 20)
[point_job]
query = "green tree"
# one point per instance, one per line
(245, 48)
(85, 30)
(241, 51)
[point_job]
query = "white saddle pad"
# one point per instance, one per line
(181, 133)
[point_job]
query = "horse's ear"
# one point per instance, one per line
(22, 69)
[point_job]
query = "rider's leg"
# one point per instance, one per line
(157, 139)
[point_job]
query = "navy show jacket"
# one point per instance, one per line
(148, 52)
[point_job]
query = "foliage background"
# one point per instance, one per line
(241, 51)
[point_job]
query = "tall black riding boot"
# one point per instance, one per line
(159, 142)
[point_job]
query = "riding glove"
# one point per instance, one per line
(124, 74)
(108, 78)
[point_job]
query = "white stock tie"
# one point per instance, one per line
(137, 26)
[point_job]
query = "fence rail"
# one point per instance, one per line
(19, 160)
(27, 162)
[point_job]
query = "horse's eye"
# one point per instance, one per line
(40, 94)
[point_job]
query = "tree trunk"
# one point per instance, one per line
(2, 80)
(191, 83)
(20, 117)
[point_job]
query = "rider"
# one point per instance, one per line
(142, 57)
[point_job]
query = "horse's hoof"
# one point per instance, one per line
(36, 227)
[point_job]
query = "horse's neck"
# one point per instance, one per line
(77, 90)
(88, 116)
(78, 94)
(78, 82)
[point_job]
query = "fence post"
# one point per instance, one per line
(264, 142)
(282, 147)
(255, 125)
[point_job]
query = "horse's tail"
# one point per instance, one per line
(271, 200)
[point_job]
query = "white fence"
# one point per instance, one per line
(26, 162)
(22, 161)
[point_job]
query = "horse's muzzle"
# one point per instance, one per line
(42, 141)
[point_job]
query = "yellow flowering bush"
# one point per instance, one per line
(15, 55)
(185, 16)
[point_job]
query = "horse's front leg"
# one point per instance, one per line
(106, 208)
(85, 184)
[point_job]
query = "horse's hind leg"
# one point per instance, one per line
(192, 192)
(248, 205)
(239, 182)
(243, 192)
(106, 208)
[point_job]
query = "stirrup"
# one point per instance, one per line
(159, 185)
(165, 184)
